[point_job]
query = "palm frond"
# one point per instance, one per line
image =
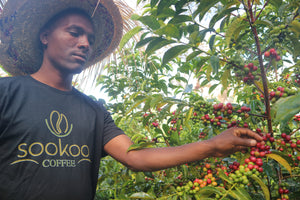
(2, 2)
(89, 76)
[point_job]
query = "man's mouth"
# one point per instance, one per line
(80, 57)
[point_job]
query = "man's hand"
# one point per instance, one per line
(232, 140)
(152, 159)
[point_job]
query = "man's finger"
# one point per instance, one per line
(248, 132)
(243, 149)
(246, 142)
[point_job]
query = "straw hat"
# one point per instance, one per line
(21, 21)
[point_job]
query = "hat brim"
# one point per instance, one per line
(22, 20)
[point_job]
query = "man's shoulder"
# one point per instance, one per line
(10, 81)
(94, 103)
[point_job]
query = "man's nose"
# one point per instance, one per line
(84, 43)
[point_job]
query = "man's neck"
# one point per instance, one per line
(54, 79)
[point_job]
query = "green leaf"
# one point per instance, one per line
(153, 3)
(208, 72)
(137, 137)
(174, 137)
(158, 131)
(264, 22)
(208, 190)
(204, 82)
(225, 77)
(232, 28)
(283, 155)
(141, 195)
(140, 178)
(188, 115)
(215, 63)
(173, 52)
(169, 30)
(149, 174)
(141, 145)
(193, 55)
(129, 35)
(178, 19)
(212, 42)
(281, 7)
(285, 108)
(163, 4)
(241, 156)
(156, 44)
(155, 99)
(144, 42)
(280, 160)
(166, 128)
(262, 186)
(135, 105)
(180, 78)
(201, 35)
(204, 7)
(296, 44)
(220, 15)
(276, 3)
(185, 170)
(259, 85)
(194, 38)
(240, 194)
(201, 197)
(167, 12)
(223, 22)
(237, 36)
(135, 17)
(150, 21)
(211, 89)
(223, 176)
(163, 86)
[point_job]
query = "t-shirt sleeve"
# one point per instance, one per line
(110, 130)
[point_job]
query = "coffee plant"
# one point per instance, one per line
(246, 49)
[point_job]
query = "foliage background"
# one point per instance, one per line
(156, 101)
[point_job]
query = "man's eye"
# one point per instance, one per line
(74, 34)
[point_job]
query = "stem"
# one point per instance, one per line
(186, 85)
(279, 175)
(251, 20)
(286, 177)
(295, 131)
(262, 9)
(166, 141)
(269, 187)
(276, 74)
(261, 66)
(258, 87)
(227, 192)
(257, 115)
(269, 65)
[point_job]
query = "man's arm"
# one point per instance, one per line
(152, 159)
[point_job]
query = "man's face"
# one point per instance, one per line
(68, 43)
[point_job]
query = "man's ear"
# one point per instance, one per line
(44, 37)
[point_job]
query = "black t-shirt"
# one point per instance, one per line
(50, 143)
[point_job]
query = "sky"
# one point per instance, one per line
(131, 3)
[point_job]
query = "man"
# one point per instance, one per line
(51, 136)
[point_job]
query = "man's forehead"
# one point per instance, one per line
(70, 17)
(75, 18)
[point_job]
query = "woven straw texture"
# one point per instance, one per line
(21, 21)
